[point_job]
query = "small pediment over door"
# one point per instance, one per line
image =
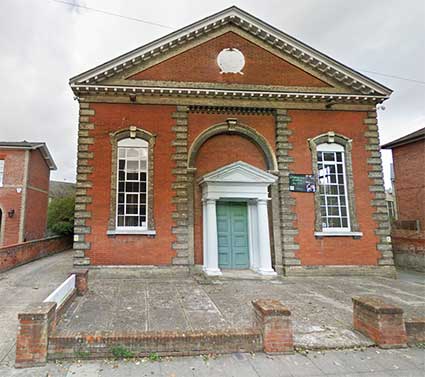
(239, 172)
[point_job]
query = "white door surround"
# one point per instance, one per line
(238, 181)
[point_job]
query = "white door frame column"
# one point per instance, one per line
(238, 181)
(210, 238)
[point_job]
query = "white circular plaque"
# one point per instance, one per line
(231, 60)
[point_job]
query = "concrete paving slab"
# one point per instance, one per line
(321, 307)
(270, 366)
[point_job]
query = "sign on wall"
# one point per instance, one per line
(302, 183)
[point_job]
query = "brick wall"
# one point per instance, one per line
(13, 177)
(199, 64)
(18, 254)
(128, 249)
(409, 246)
(409, 162)
(332, 250)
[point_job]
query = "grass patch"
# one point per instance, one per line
(121, 352)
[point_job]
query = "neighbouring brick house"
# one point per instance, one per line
(194, 150)
(408, 232)
(24, 187)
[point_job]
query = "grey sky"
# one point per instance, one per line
(44, 43)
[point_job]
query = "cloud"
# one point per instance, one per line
(44, 43)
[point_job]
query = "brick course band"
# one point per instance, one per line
(181, 187)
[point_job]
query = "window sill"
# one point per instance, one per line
(338, 234)
(117, 232)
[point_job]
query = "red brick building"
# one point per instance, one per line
(230, 144)
(408, 232)
(24, 187)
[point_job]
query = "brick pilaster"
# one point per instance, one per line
(287, 202)
(82, 199)
(35, 325)
(180, 187)
(376, 187)
(274, 321)
(380, 321)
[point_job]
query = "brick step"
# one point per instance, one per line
(99, 345)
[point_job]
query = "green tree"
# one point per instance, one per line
(60, 216)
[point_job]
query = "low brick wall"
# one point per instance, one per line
(415, 329)
(409, 250)
(379, 321)
(15, 255)
(101, 344)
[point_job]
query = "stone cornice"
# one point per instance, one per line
(331, 98)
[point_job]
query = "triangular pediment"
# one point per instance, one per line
(238, 172)
(284, 65)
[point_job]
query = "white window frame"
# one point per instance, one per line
(132, 143)
(334, 147)
(1, 172)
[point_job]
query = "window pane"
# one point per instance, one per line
(333, 211)
(132, 187)
(132, 198)
(132, 152)
(332, 200)
(338, 156)
(131, 221)
(132, 176)
(131, 209)
(328, 156)
(334, 222)
(132, 166)
(121, 164)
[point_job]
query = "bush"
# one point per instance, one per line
(60, 216)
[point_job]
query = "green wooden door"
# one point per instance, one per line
(232, 235)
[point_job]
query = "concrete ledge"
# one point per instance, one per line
(415, 329)
(349, 270)
(379, 321)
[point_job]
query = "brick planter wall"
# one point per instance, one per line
(15, 255)
(415, 329)
(35, 325)
(71, 345)
(381, 322)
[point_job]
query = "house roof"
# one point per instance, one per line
(408, 139)
(31, 145)
(59, 189)
(279, 40)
